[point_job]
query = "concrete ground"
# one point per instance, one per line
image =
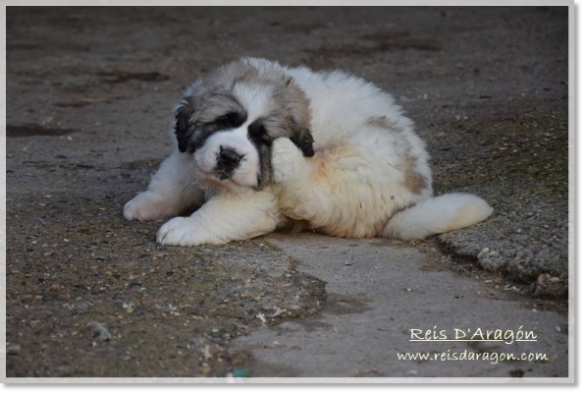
(377, 291)
(90, 93)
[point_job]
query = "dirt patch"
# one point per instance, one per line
(84, 102)
(78, 104)
(119, 76)
(304, 28)
(342, 304)
(375, 43)
(31, 130)
(369, 373)
(55, 46)
(96, 296)
(396, 38)
(144, 165)
(263, 369)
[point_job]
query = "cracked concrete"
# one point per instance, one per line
(377, 291)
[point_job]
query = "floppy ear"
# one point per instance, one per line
(303, 138)
(183, 126)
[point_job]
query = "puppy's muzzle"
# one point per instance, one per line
(227, 162)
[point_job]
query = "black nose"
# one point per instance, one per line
(227, 161)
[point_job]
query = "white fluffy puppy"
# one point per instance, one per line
(262, 146)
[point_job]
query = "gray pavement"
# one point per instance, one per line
(377, 291)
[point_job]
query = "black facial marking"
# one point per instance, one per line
(257, 133)
(183, 126)
(231, 120)
(191, 132)
(265, 167)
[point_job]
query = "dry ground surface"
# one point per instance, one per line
(90, 93)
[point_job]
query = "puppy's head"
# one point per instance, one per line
(229, 119)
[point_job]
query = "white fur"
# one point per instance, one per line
(224, 218)
(438, 215)
(356, 185)
(171, 191)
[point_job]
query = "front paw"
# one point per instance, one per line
(180, 231)
(146, 206)
(287, 160)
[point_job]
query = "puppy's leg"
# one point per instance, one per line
(304, 186)
(173, 189)
(292, 176)
(288, 163)
(224, 218)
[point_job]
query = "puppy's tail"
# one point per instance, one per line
(438, 215)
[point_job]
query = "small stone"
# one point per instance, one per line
(262, 317)
(128, 306)
(207, 352)
(278, 311)
(517, 373)
(82, 306)
(100, 331)
(13, 350)
(562, 328)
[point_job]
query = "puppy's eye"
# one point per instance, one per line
(257, 133)
(230, 120)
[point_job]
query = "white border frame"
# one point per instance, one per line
(383, 380)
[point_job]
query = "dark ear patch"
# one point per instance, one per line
(303, 138)
(183, 126)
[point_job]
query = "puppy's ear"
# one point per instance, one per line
(302, 137)
(183, 124)
(304, 141)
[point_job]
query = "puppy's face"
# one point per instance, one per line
(229, 119)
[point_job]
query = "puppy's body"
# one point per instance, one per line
(327, 150)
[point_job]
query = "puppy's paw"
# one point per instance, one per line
(180, 231)
(287, 160)
(146, 206)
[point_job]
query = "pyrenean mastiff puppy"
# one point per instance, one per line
(260, 146)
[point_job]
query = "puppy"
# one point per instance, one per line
(261, 146)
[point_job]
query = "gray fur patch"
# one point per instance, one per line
(212, 98)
